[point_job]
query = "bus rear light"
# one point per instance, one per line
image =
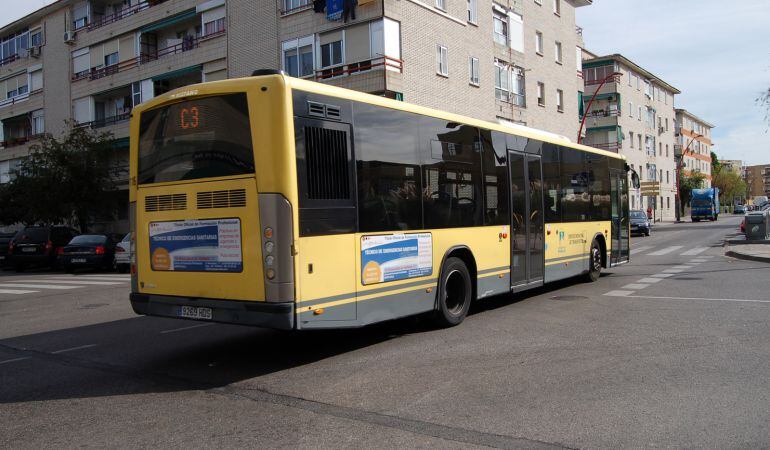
(277, 223)
(268, 233)
(269, 260)
(270, 273)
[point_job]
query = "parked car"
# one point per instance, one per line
(739, 209)
(38, 246)
(5, 242)
(88, 251)
(640, 223)
(123, 254)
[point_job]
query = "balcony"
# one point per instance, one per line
(380, 63)
(18, 131)
(185, 45)
(111, 14)
(609, 146)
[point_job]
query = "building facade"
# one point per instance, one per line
(733, 165)
(694, 141)
(758, 180)
(92, 61)
(633, 114)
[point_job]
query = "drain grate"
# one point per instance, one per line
(567, 298)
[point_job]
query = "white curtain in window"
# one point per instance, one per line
(516, 31)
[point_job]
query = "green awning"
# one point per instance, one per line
(604, 128)
(177, 73)
(169, 21)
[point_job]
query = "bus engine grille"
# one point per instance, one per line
(166, 202)
(234, 198)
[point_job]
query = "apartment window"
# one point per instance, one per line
(331, 54)
(111, 59)
(638, 82)
(630, 77)
(539, 43)
(660, 149)
(473, 69)
(631, 109)
(557, 51)
(298, 57)
(36, 38)
(540, 94)
(631, 138)
(500, 29)
(649, 145)
(667, 179)
(214, 27)
(639, 117)
(36, 79)
(557, 7)
(441, 4)
(559, 100)
(666, 150)
(502, 80)
(289, 5)
(38, 122)
(442, 63)
(639, 140)
(647, 90)
(668, 202)
(473, 14)
(516, 31)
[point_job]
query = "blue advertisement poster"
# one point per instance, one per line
(395, 257)
(333, 9)
(196, 245)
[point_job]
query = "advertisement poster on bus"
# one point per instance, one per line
(196, 245)
(396, 257)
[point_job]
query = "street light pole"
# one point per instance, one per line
(678, 178)
(590, 102)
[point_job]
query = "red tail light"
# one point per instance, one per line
(10, 247)
(60, 251)
(99, 249)
(48, 245)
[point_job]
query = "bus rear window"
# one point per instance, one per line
(201, 138)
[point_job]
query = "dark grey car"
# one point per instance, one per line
(640, 224)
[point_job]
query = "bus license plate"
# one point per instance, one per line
(193, 312)
(78, 260)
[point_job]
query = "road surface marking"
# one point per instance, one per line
(683, 267)
(68, 281)
(100, 277)
(38, 286)
(699, 260)
(650, 280)
(736, 300)
(14, 360)
(695, 251)
(641, 249)
(673, 270)
(634, 286)
(665, 251)
(121, 275)
(619, 293)
(15, 291)
(662, 275)
(186, 328)
(123, 280)
(72, 349)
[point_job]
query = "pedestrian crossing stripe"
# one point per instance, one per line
(38, 286)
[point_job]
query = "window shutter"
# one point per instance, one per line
(516, 31)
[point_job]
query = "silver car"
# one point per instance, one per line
(123, 254)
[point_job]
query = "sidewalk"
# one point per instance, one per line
(750, 252)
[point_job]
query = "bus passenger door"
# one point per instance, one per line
(526, 220)
(620, 240)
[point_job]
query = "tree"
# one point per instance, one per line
(65, 179)
(688, 182)
(730, 185)
(716, 166)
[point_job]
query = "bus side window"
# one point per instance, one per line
(599, 186)
(494, 165)
(551, 183)
(452, 196)
(574, 186)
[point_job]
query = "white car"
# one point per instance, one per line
(123, 254)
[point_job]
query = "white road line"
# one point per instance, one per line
(122, 280)
(683, 267)
(619, 293)
(15, 291)
(699, 260)
(673, 270)
(67, 281)
(111, 277)
(14, 360)
(695, 251)
(186, 328)
(38, 286)
(662, 275)
(635, 286)
(736, 300)
(665, 251)
(72, 349)
(650, 280)
(641, 248)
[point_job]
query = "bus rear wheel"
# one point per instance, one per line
(594, 262)
(454, 293)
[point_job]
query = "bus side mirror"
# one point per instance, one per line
(634, 179)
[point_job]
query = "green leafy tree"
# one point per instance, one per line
(687, 183)
(716, 166)
(64, 179)
(730, 185)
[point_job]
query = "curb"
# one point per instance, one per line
(746, 257)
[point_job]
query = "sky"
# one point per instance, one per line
(716, 52)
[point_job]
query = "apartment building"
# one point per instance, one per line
(633, 114)
(758, 180)
(92, 61)
(693, 140)
(733, 165)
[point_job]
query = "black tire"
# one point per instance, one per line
(594, 262)
(647, 233)
(455, 292)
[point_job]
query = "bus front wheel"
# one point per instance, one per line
(454, 293)
(594, 262)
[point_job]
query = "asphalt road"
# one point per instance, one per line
(670, 350)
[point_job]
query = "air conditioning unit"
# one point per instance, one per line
(69, 36)
(35, 51)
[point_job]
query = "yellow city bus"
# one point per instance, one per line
(279, 202)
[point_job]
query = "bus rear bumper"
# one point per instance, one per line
(259, 314)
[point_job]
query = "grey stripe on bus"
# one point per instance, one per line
(386, 289)
(562, 258)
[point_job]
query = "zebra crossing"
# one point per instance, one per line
(53, 283)
(671, 250)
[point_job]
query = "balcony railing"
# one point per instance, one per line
(9, 59)
(362, 66)
(107, 121)
(609, 146)
(603, 113)
(14, 100)
(185, 45)
(13, 142)
(615, 79)
(122, 14)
